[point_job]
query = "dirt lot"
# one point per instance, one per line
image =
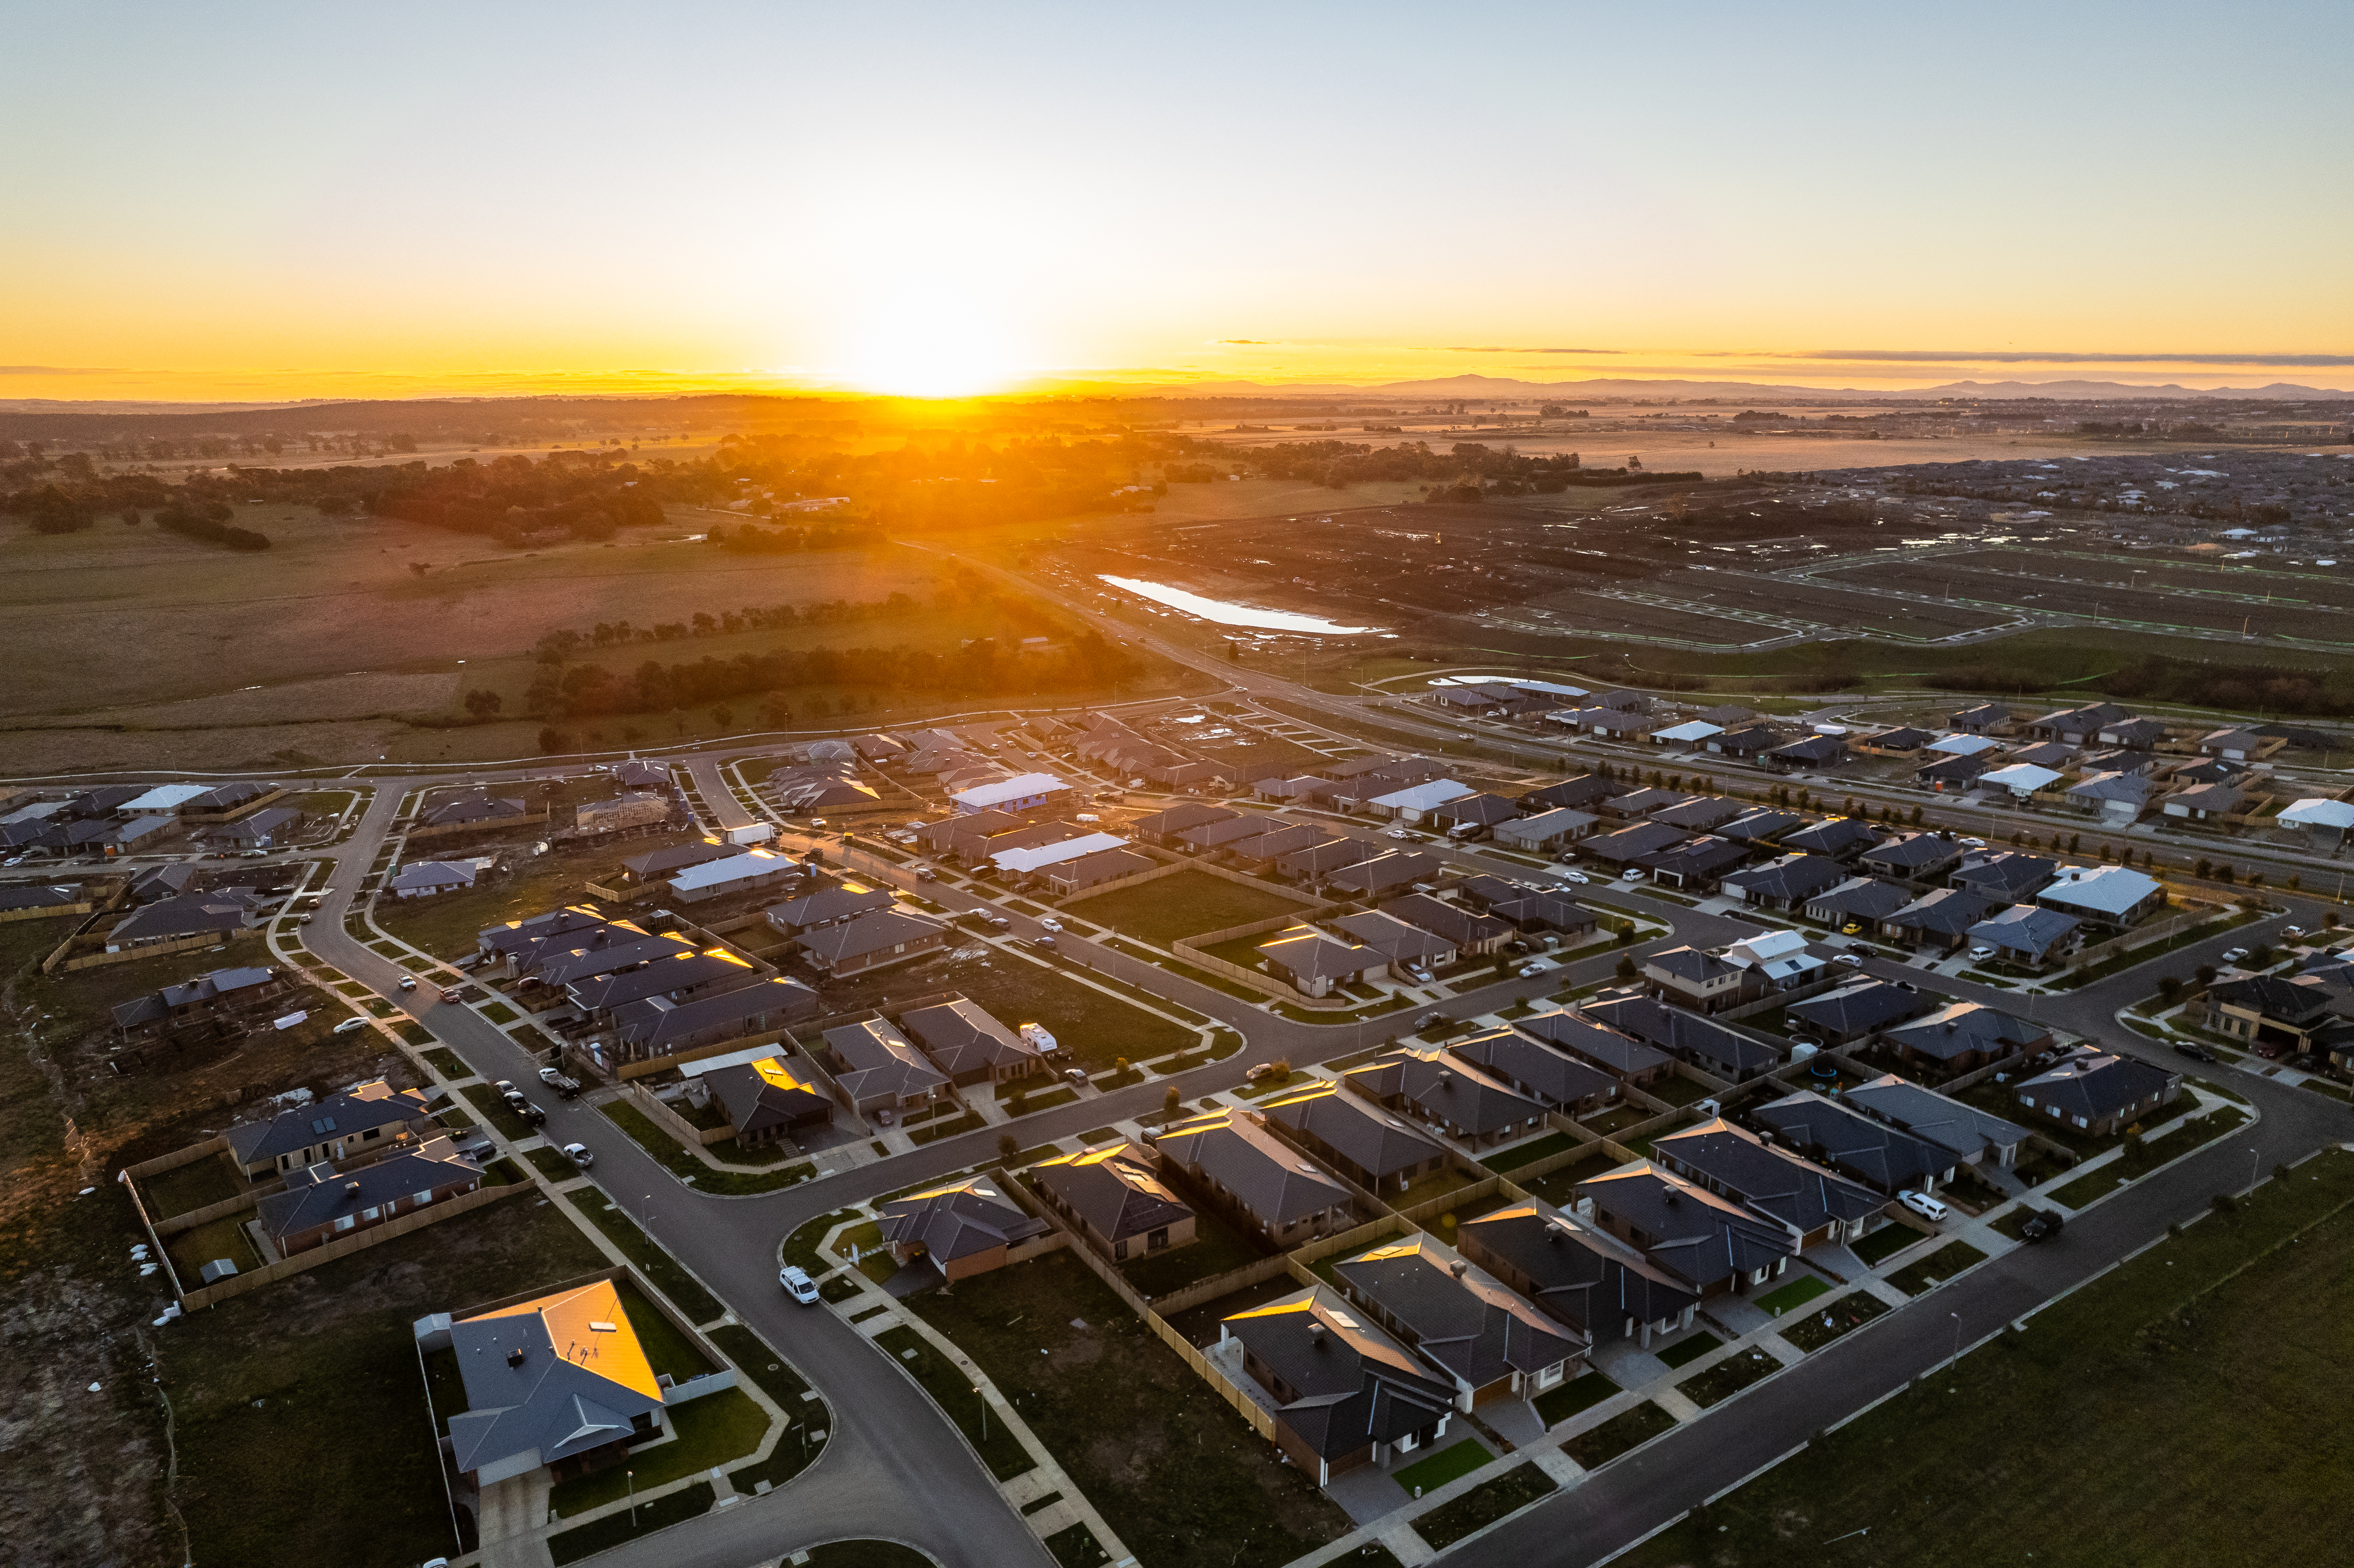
(1096, 1028)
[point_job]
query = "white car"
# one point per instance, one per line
(578, 1154)
(798, 1283)
(548, 1076)
(1420, 975)
(1852, 960)
(408, 984)
(1973, 843)
(351, 1025)
(1577, 876)
(2293, 931)
(1981, 953)
(1633, 874)
(1048, 923)
(2233, 955)
(1398, 833)
(1535, 967)
(1922, 1205)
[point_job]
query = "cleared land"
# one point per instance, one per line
(1184, 903)
(2228, 1387)
(1095, 1028)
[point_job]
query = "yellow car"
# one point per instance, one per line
(1851, 930)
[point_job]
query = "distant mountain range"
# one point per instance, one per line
(1480, 387)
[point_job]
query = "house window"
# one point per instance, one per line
(1550, 1376)
(1409, 1443)
(423, 1198)
(374, 1132)
(344, 1223)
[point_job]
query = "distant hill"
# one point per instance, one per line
(1601, 388)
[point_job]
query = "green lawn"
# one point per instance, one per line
(1427, 1474)
(2221, 1352)
(1483, 1505)
(1097, 1028)
(1183, 903)
(1729, 1377)
(667, 1349)
(1630, 1429)
(269, 1418)
(1684, 1352)
(953, 1393)
(713, 1430)
(446, 1062)
(1820, 1326)
(801, 1246)
(1578, 1394)
(551, 1164)
(221, 1238)
(584, 1540)
(1884, 1242)
(190, 1186)
(686, 1167)
(493, 1106)
(1940, 1266)
(1162, 1457)
(1797, 1293)
(1510, 1160)
(1218, 1246)
(2137, 1161)
(653, 1263)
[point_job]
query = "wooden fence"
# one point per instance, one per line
(376, 1235)
(677, 1126)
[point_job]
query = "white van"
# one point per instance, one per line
(1922, 1205)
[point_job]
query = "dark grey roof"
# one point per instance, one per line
(755, 1101)
(1701, 812)
(1697, 1236)
(2004, 875)
(1690, 964)
(1354, 1128)
(1355, 1386)
(1178, 818)
(1794, 877)
(1545, 908)
(1904, 738)
(2024, 927)
(1925, 1114)
(1874, 1152)
(261, 825)
(1864, 898)
(522, 936)
(1319, 859)
(317, 1194)
(1834, 836)
(663, 977)
(871, 932)
(1379, 875)
(1645, 801)
(189, 915)
(652, 1022)
(1912, 851)
(605, 953)
(2092, 1085)
(1446, 1088)
(1964, 1026)
(211, 987)
(1467, 1325)
(962, 1038)
(1458, 926)
(1943, 912)
(1114, 1189)
(1632, 843)
(473, 808)
(1394, 939)
(1769, 1181)
(825, 905)
(1584, 1276)
(1858, 1009)
(1587, 1039)
(1701, 858)
(1278, 1186)
(950, 1222)
(343, 1115)
(38, 897)
(1760, 825)
(550, 1400)
(880, 1060)
(1278, 841)
(1487, 810)
(1812, 748)
(1310, 955)
(1586, 790)
(1686, 1034)
(1554, 1077)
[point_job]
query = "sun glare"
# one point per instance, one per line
(921, 339)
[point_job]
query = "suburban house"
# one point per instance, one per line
(320, 1205)
(1636, 804)
(1554, 1078)
(266, 828)
(1712, 1047)
(2325, 820)
(1544, 911)
(216, 999)
(360, 1120)
(739, 875)
(1583, 793)
(517, 944)
(674, 977)
(1914, 857)
(1383, 874)
(1474, 1331)
(2118, 798)
(1548, 831)
(1622, 1056)
(1345, 1393)
(1785, 884)
(1963, 1036)
(2097, 1093)
(964, 1229)
(1321, 860)
(1761, 827)
(878, 1070)
(1401, 946)
(1974, 1137)
(969, 1045)
(2109, 896)
(1022, 792)
(1361, 1141)
(1414, 802)
(1312, 963)
(1690, 733)
(1906, 740)
(1858, 904)
(2138, 734)
(1873, 1152)
(654, 866)
(2239, 745)
(1633, 845)
(609, 950)
(1286, 1199)
(1982, 718)
(1841, 838)
(1463, 932)
(2076, 726)
(221, 913)
(1940, 920)
(1753, 740)
(1577, 1274)
(1115, 1198)
(766, 1101)
(1449, 1093)
(1695, 865)
(1811, 751)
(1778, 959)
(1700, 980)
(874, 941)
(1162, 827)
(1700, 813)
(2027, 935)
(2279, 1014)
(478, 809)
(1854, 1011)
(828, 904)
(1473, 816)
(560, 1381)
(655, 1026)
(2004, 876)
(2203, 802)
(1709, 1246)
(1771, 1183)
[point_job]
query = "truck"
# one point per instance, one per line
(752, 834)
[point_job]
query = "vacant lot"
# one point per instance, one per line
(445, 924)
(1174, 1470)
(309, 1389)
(1183, 904)
(2228, 1386)
(1095, 1028)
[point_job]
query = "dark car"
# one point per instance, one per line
(2041, 1224)
(2196, 1053)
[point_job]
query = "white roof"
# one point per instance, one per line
(1963, 745)
(436, 874)
(732, 1059)
(1002, 789)
(1765, 949)
(1423, 797)
(1028, 860)
(1550, 688)
(1695, 730)
(163, 798)
(714, 873)
(2020, 776)
(2103, 889)
(2320, 814)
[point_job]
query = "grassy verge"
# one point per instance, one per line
(712, 1430)
(1451, 1463)
(674, 1159)
(801, 1246)
(586, 1540)
(999, 1448)
(1483, 1505)
(1729, 1377)
(655, 1264)
(445, 1062)
(1162, 1457)
(493, 1107)
(551, 1164)
(1630, 1429)
(1820, 1326)
(1687, 1351)
(1916, 1277)
(1885, 1243)
(2139, 1160)
(2222, 1349)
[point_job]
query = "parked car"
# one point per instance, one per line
(2233, 955)
(2196, 1053)
(926, 874)
(578, 1154)
(882, 1118)
(1577, 876)
(1922, 1205)
(2041, 1224)
(1419, 975)
(1633, 874)
(1398, 833)
(999, 921)
(1971, 843)
(1045, 941)
(1852, 960)
(1048, 923)
(408, 984)
(568, 1087)
(351, 1025)
(549, 1074)
(1076, 1074)
(530, 1112)
(2293, 931)
(798, 1283)
(1852, 929)
(1980, 953)
(450, 993)
(508, 1089)
(305, 920)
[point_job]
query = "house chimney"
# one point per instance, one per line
(351, 1188)
(1316, 1332)
(1458, 1268)
(514, 1356)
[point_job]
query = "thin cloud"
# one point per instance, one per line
(2009, 356)
(1478, 348)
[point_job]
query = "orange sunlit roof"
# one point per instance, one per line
(588, 1327)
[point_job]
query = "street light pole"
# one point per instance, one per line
(1956, 1316)
(2254, 1160)
(632, 1484)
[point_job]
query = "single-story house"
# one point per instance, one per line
(1115, 1198)
(1913, 857)
(223, 996)
(1547, 831)
(1873, 1152)
(876, 1068)
(2027, 935)
(1784, 884)
(1577, 1274)
(1554, 1077)
(1345, 1393)
(1448, 1093)
(1707, 1244)
(1975, 1137)
(1712, 1047)
(1312, 963)
(2118, 798)
(1359, 1140)
(425, 878)
(1477, 1333)
(2108, 895)
(1688, 733)
(560, 1381)
(1469, 934)
(1771, 1183)
(969, 1045)
(1696, 865)
(1940, 919)
(320, 1203)
(1623, 1056)
(1812, 751)
(2202, 801)
(1633, 845)
(1860, 903)
(1964, 1036)
(1840, 838)
(1269, 1185)
(2003, 877)
(871, 941)
(966, 1228)
(2021, 779)
(767, 1100)
(360, 1120)
(1855, 1011)
(1403, 946)
(656, 1026)
(2096, 1093)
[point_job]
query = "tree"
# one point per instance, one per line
(2200, 867)
(2169, 990)
(2223, 874)
(723, 715)
(2073, 840)
(1626, 969)
(482, 703)
(552, 740)
(1280, 1067)
(1626, 936)
(1169, 1102)
(2205, 974)
(1916, 816)
(1007, 1147)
